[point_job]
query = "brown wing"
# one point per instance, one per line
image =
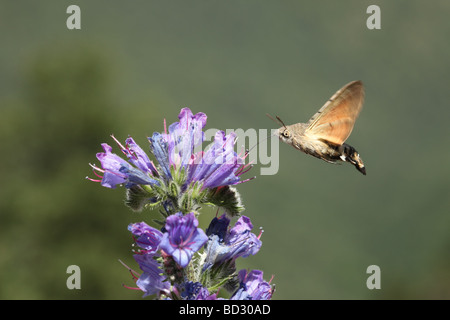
(335, 120)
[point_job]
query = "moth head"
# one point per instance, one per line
(283, 133)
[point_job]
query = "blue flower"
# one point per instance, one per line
(238, 242)
(183, 175)
(196, 291)
(218, 166)
(252, 286)
(242, 242)
(218, 227)
(148, 238)
(151, 281)
(184, 137)
(159, 148)
(118, 171)
(137, 156)
(182, 238)
(111, 164)
(181, 261)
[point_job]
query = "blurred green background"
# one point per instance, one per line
(63, 92)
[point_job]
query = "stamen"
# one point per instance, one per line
(251, 166)
(99, 176)
(94, 169)
(244, 151)
(246, 180)
(94, 180)
(241, 171)
(260, 232)
(118, 143)
(133, 273)
(131, 288)
(93, 166)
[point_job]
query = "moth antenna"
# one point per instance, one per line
(269, 116)
(281, 121)
(278, 120)
(272, 118)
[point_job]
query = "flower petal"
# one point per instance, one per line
(158, 146)
(182, 238)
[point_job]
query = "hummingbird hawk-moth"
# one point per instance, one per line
(324, 135)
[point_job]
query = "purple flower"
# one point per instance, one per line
(196, 291)
(219, 165)
(152, 281)
(117, 171)
(159, 148)
(252, 286)
(148, 238)
(183, 178)
(184, 136)
(205, 295)
(242, 242)
(180, 167)
(182, 238)
(218, 226)
(137, 156)
(111, 164)
(237, 242)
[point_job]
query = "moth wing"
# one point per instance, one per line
(335, 120)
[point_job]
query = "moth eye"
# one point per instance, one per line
(286, 134)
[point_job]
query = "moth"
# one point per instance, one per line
(324, 135)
